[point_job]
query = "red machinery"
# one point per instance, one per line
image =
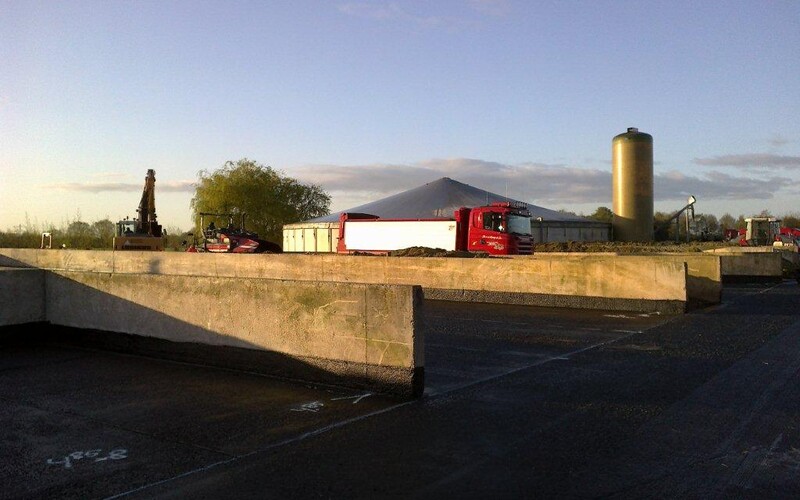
(230, 239)
(765, 231)
(498, 229)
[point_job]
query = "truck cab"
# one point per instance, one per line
(502, 228)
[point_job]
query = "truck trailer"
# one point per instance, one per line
(502, 228)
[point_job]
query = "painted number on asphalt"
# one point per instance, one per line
(90, 456)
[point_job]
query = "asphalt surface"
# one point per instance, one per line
(520, 402)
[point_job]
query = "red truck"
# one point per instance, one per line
(502, 228)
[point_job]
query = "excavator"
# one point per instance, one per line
(143, 232)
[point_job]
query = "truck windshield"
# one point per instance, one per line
(519, 224)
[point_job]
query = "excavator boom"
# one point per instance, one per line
(147, 207)
(143, 233)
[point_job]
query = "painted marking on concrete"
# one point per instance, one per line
(343, 423)
(631, 316)
(68, 460)
(480, 320)
(561, 357)
(734, 303)
(777, 383)
(312, 406)
(356, 398)
(279, 444)
(349, 421)
(522, 354)
(454, 347)
(747, 463)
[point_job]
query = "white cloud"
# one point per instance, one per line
(778, 141)
(547, 185)
(717, 186)
(101, 187)
(541, 184)
(755, 160)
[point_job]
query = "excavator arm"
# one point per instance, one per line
(143, 233)
(147, 207)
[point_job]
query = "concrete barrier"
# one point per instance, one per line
(703, 277)
(355, 334)
(22, 297)
(742, 264)
(703, 271)
(640, 283)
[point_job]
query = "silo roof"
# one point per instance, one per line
(439, 199)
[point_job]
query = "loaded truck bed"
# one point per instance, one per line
(388, 235)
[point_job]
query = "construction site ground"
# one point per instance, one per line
(520, 402)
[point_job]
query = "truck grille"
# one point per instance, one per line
(525, 246)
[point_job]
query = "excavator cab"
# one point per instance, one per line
(126, 227)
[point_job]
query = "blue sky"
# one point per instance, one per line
(370, 98)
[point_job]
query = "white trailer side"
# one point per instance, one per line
(387, 235)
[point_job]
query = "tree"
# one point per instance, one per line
(791, 220)
(103, 230)
(79, 234)
(663, 228)
(727, 221)
(266, 197)
(707, 227)
(79, 228)
(602, 214)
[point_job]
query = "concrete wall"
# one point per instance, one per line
(749, 264)
(703, 271)
(627, 283)
(703, 276)
(22, 297)
(364, 335)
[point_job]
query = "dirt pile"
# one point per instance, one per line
(571, 246)
(626, 247)
(434, 252)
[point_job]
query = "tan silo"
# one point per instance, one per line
(632, 180)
